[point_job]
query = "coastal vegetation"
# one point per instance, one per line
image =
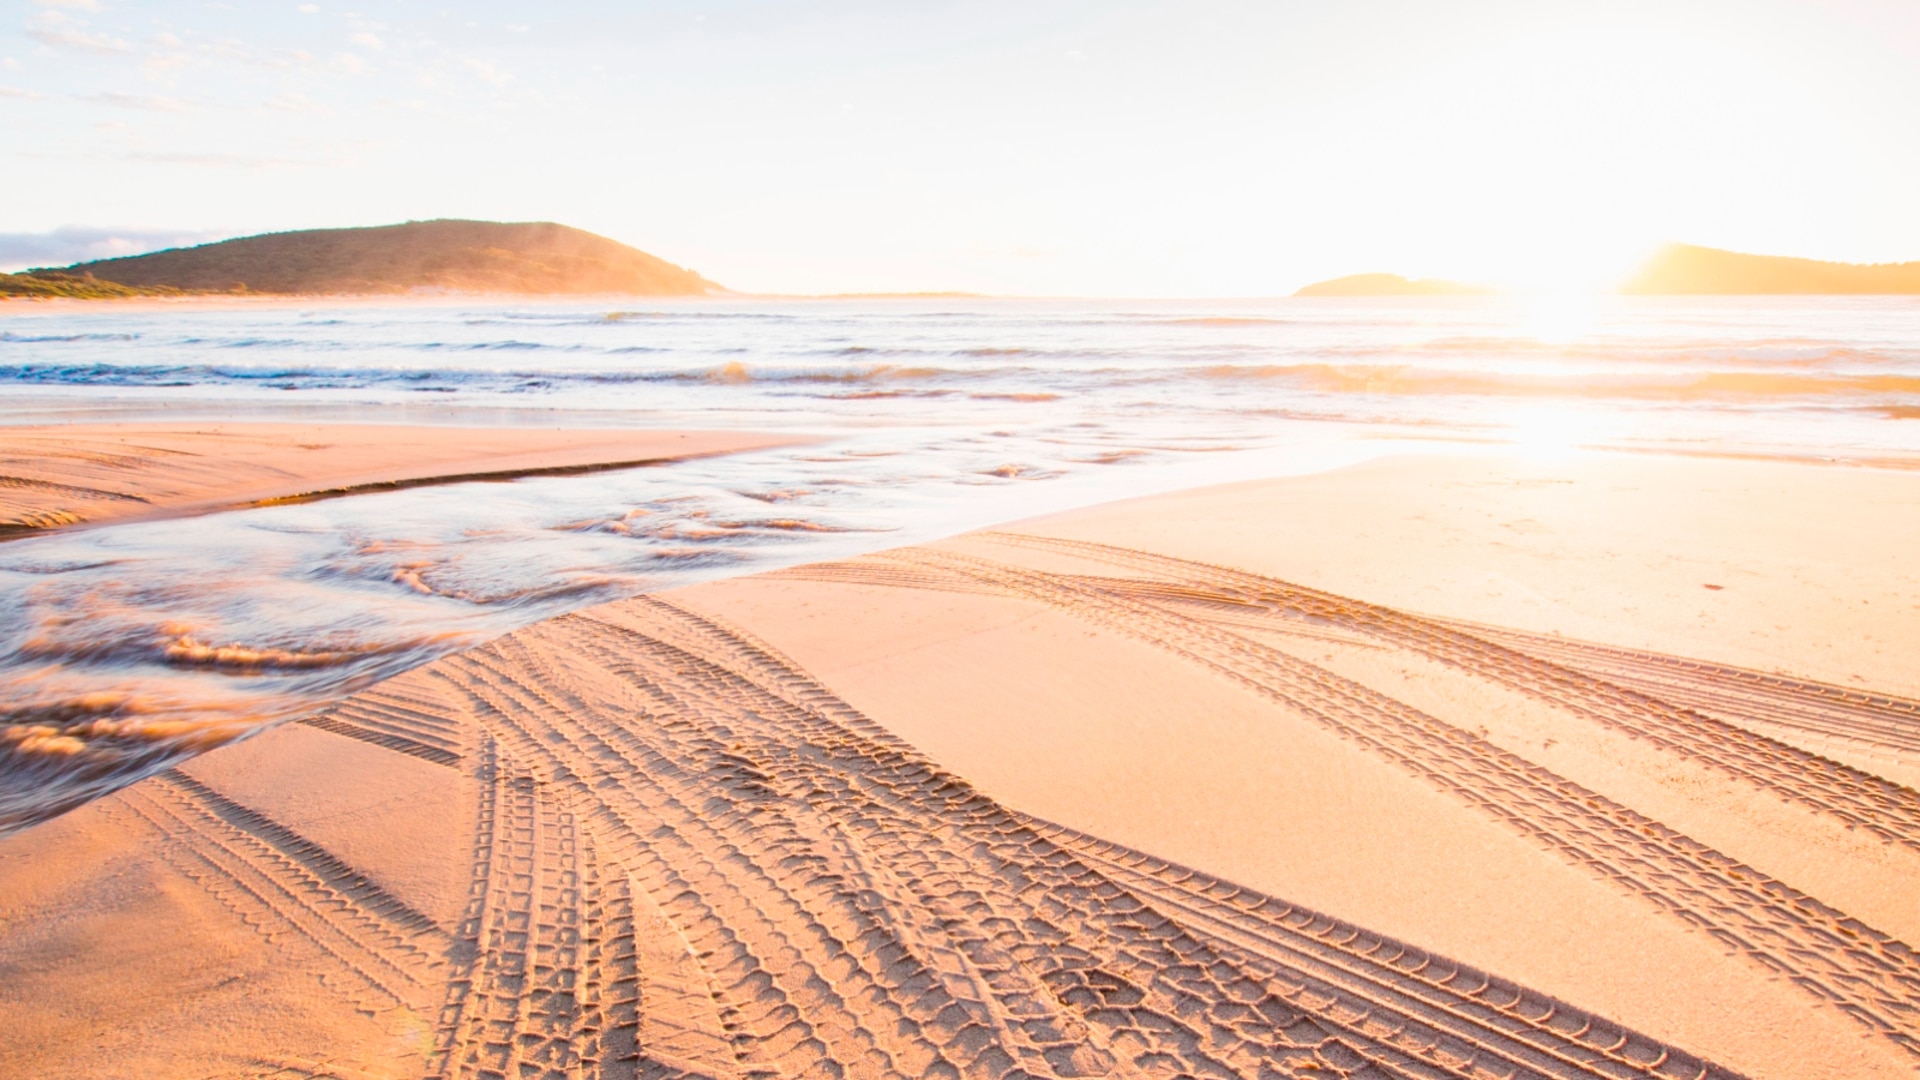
(537, 258)
(59, 284)
(1687, 270)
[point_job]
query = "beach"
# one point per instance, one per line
(771, 541)
(70, 474)
(1466, 763)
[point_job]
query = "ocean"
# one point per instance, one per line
(927, 417)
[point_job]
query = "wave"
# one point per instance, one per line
(754, 316)
(179, 646)
(1796, 352)
(39, 339)
(1833, 372)
(731, 372)
(572, 318)
(880, 381)
(883, 395)
(1231, 320)
(736, 372)
(1649, 385)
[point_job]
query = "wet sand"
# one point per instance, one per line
(1429, 767)
(53, 476)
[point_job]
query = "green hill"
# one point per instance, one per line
(1686, 270)
(459, 256)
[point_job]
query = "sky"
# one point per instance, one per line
(1037, 147)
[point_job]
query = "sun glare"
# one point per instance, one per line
(1550, 432)
(1560, 316)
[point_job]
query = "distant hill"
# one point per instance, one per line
(1389, 285)
(1686, 270)
(458, 256)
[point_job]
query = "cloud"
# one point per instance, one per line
(223, 161)
(62, 32)
(292, 102)
(308, 9)
(135, 101)
(161, 62)
(70, 244)
(16, 92)
(486, 71)
(367, 41)
(76, 5)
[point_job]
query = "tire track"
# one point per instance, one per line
(1857, 798)
(848, 907)
(962, 1028)
(717, 947)
(281, 883)
(607, 1037)
(28, 483)
(1875, 721)
(1543, 1033)
(997, 1031)
(331, 722)
(529, 1002)
(1840, 961)
(1876, 724)
(396, 716)
(692, 859)
(772, 979)
(454, 1029)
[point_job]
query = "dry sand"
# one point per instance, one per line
(59, 475)
(1433, 717)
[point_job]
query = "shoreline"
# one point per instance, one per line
(69, 476)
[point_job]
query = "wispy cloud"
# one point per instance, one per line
(486, 72)
(64, 32)
(223, 161)
(135, 101)
(17, 92)
(75, 5)
(301, 103)
(84, 243)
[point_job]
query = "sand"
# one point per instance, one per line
(1431, 767)
(53, 476)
